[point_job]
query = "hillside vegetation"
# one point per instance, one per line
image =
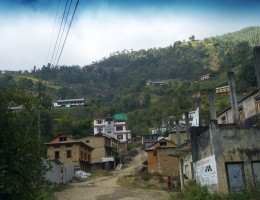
(118, 83)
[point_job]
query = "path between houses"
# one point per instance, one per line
(106, 188)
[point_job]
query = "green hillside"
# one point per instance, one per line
(246, 34)
(117, 84)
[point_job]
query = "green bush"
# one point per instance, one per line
(196, 192)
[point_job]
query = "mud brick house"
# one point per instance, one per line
(66, 149)
(105, 153)
(158, 161)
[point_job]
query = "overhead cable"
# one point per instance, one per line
(52, 32)
(68, 31)
(57, 52)
(59, 31)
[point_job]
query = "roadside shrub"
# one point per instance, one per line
(196, 192)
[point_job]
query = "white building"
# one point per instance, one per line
(115, 127)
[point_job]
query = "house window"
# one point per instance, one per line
(241, 113)
(162, 144)
(85, 156)
(108, 131)
(87, 141)
(62, 139)
(120, 137)
(88, 157)
(119, 128)
(69, 154)
(223, 120)
(257, 102)
(56, 155)
(108, 122)
(235, 175)
(100, 129)
(99, 121)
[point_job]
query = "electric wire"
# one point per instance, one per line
(55, 59)
(68, 31)
(52, 32)
(59, 31)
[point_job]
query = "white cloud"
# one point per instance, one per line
(25, 41)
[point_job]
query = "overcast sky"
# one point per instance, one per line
(101, 27)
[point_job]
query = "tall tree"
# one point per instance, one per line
(21, 150)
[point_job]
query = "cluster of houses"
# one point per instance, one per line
(100, 150)
(225, 155)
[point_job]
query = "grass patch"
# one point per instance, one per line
(143, 180)
(96, 173)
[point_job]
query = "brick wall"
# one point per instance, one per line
(167, 165)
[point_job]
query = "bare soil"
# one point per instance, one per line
(106, 188)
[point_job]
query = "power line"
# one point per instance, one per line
(59, 31)
(53, 32)
(68, 30)
(62, 32)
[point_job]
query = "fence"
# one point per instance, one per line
(59, 173)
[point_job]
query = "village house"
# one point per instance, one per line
(182, 132)
(148, 140)
(222, 90)
(205, 77)
(115, 127)
(155, 83)
(247, 107)
(158, 161)
(105, 153)
(66, 149)
(225, 157)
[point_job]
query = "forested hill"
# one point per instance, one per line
(246, 34)
(185, 60)
(182, 61)
(117, 84)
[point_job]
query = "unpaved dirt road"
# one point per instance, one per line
(106, 188)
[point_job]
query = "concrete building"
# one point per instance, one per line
(222, 90)
(115, 127)
(148, 140)
(159, 162)
(105, 152)
(226, 157)
(155, 83)
(66, 149)
(205, 77)
(247, 107)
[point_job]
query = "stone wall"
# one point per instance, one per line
(98, 143)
